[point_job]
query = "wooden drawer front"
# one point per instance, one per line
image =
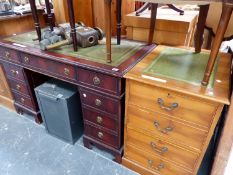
(152, 163)
(98, 101)
(19, 87)
(101, 119)
(99, 134)
(25, 101)
(56, 68)
(160, 125)
(9, 55)
(14, 71)
(190, 110)
(98, 80)
(155, 146)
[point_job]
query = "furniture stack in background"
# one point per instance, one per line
(171, 27)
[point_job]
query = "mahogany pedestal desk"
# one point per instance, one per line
(168, 122)
(101, 85)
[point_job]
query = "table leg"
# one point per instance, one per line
(36, 19)
(72, 24)
(119, 4)
(198, 37)
(154, 7)
(108, 28)
(222, 26)
(50, 15)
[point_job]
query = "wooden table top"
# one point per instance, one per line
(219, 92)
(117, 71)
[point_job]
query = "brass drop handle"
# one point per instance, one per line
(157, 149)
(96, 80)
(8, 55)
(163, 130)
(26, 60)
(98, 102)
(22, 100)
(99, 119)
(14, 72)
(100, 135)
(18, 87)
(156, 168)
(160, 101)
(66, 71)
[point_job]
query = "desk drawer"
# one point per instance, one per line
(165, 128)
(98, 80)
(100, 102)
(14, 71)
(101, 135)
(152, 163)
(102, 119)
(25, 101)
(19, 87)
(9, 55)
(155, 146)
(182, 107)
(46, 65)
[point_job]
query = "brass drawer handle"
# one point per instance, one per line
(66, 71)
(167, 108)
(100, 135)
(8, 55)
(26, 60)
(98, 102)
(157, 149)
(18, 87)
(163, 130)
(156, 168)
(96, 80)
(99, 119)
(22, 100)
(14, 72)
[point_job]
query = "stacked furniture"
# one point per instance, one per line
(169, 122)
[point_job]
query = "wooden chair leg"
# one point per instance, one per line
(36, 19)
(119, 4)
(50, 15)
(222, 26)
(108, 28)
(198, 37)
(72, 24)
(154, 7)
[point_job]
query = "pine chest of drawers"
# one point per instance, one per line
(169, 123)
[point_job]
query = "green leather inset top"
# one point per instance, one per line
(181, 64)
(96, 53)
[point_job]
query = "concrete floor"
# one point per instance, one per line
(26, 149)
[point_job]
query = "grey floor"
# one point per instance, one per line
(26, 149)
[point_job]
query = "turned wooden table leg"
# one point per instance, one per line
(36, 19)
(198, 37)
(108, 28)
(152, 22)
(50, 15)
(222, 26)
(119, 4)
(72, 24)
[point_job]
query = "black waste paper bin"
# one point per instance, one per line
(60, 107)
